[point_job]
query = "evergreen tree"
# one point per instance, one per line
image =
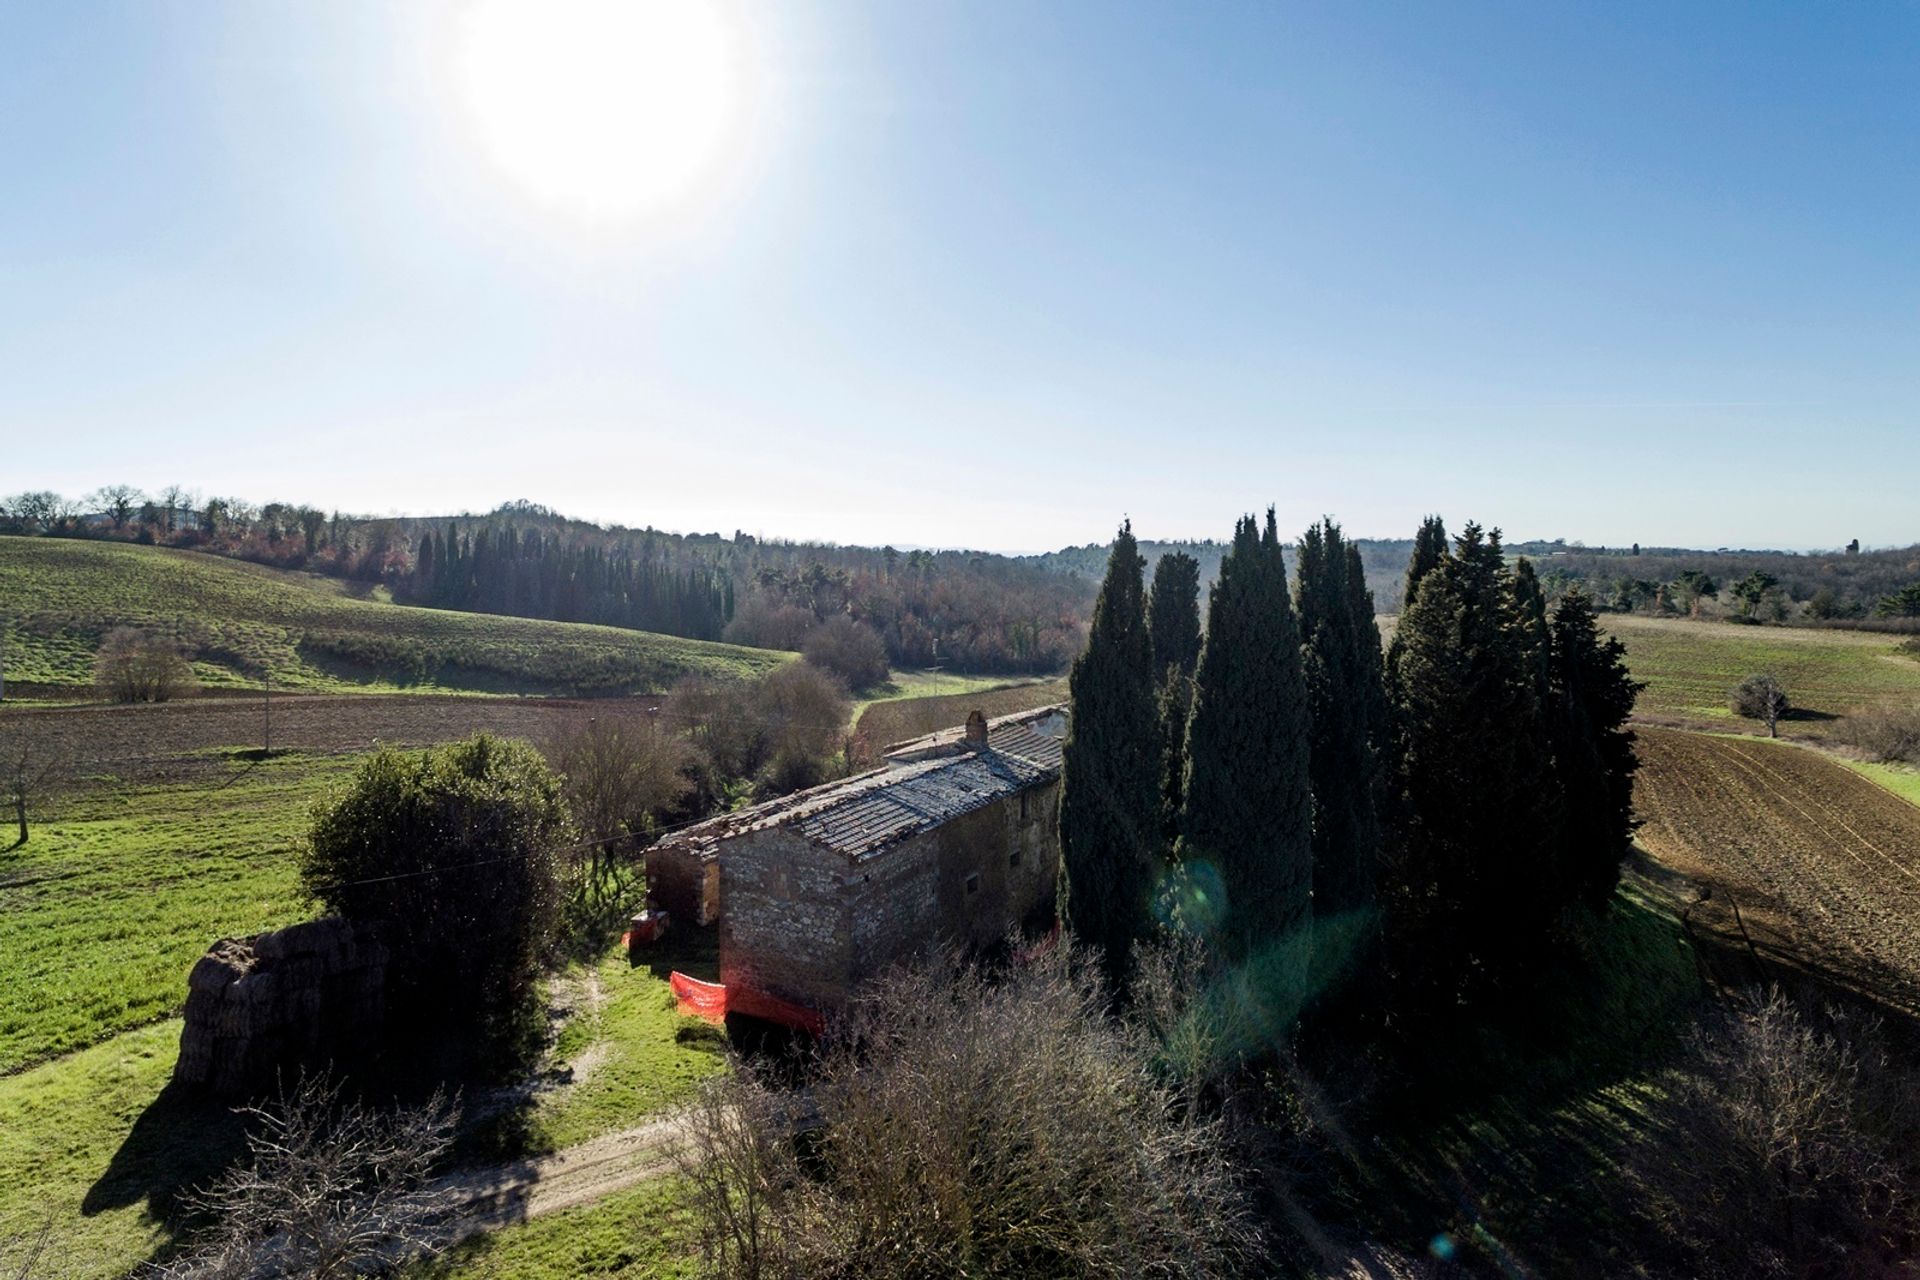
(1341, 656)
(1479, 802)
(1429, 549)
(1109, 805)
(1592, 696)
(1173, 613)
(1173, 620)
(1248, 815)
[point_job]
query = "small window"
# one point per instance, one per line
(973, 884)
(1023, 806)
(1013, 859)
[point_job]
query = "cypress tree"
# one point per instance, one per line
(1478, 796)
(1341, 656)
(1248, 815)
(1373, 688)
(1109, 804)
(1592, 696)
(1173, 612)
(1429, 549)
(1173, 620)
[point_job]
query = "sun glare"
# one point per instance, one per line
(604, 108)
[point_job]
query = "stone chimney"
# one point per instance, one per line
(976, 730)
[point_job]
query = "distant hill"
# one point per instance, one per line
(241, 621)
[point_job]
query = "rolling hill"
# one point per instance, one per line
(240, 622)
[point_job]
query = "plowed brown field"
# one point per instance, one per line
(1823, 865)
(184, 741)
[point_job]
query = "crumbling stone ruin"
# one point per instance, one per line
(265, 1007)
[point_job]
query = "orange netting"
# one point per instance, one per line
(713, 1001)
(701, 999)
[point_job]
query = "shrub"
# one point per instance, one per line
(1045, 1143)
(848, 649)
(453, 854)
(1777, 1149)
(802, 713)
(769, 624)
(133, 666)
(1887, 732)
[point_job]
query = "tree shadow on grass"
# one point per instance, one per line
(182, 1141)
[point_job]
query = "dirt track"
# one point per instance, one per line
(1823, 865)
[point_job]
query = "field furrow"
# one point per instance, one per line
(1823, 865)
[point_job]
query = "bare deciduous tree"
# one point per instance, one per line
(621, 772)
(978, 1127)
(1761, 697)
(33, 768)
(331, 1188)
(119, 501)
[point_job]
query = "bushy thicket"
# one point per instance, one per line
(968, 1125)
(784, 731)
(1786, 1144)
(133, 666)
(1888, 733)
(453, 855)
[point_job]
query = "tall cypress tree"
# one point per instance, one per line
(1109, 805)
(1341, 655)
(1592, 697)
(1429, 549)
(1173, 612)
(1249, 808)
(1173, 619)
(1478, 795)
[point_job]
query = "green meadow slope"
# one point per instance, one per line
(1691, 667)
(241, 621)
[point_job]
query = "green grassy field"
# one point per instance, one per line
(102, 914)
(90, 1147)
(241, 621)
(103, 911)
(1691, 667)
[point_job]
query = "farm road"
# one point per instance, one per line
(492, 1197)
(1823, 865)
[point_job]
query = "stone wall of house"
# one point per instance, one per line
(682, 881)
(266, 1007)
(784, 928)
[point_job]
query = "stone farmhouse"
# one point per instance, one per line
(955, 840)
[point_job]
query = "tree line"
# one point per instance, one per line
(961, 610)
(1437, 816)
(536, 574)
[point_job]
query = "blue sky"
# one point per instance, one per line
(994, 274)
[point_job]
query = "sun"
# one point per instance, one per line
(604, 108)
